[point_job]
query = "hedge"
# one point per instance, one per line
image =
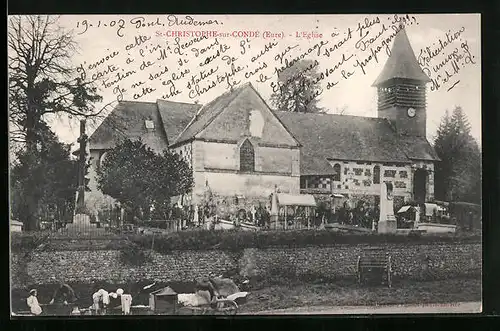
(159, 224)
(25, 242)
(228, 240)
(236, 240)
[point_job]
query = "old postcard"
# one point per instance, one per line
(245, 164)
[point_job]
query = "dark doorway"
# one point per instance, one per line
(419, 185)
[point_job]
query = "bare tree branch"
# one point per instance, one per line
(42, 80)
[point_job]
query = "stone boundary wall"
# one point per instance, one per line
(410, 261)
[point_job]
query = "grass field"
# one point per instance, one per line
(349, 294)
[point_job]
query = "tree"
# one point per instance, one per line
(298, 88)
(458, 174)
(45, 177)
(42, 80)
(138, 178)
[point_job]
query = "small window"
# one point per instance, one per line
(150, 125)
(376, 175)
(336, 172)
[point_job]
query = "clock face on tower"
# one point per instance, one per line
(411, 112)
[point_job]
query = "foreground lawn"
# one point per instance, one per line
(297, 294)
(349, 294)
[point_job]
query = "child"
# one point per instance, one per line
(32, 302)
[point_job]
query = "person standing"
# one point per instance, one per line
(96, 299)
(105, 300)
(33, 304)
(126, 303)
(64, 293)
(205, 286)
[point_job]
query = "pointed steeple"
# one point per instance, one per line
(402, 62)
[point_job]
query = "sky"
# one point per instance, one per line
(336, 42)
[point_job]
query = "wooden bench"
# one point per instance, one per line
(374, 263)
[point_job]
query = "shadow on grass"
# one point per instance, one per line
(347, 292)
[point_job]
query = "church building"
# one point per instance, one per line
(240, 148)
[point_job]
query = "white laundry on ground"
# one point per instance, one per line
(192, 299)
(236, 296)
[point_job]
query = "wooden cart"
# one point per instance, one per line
(374, 264)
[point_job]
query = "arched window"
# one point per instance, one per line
(102, 157)
(376, 174)
(247, 157)
(336, 172)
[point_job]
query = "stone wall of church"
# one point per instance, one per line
(218, 164)
(357, 180)
(246, 186)
(224, 156)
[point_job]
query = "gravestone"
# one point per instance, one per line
(387, 221)
(81, 224)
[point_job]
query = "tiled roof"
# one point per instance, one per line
(127, 120)
(342, 137)
(418, 148)
(322, 136)
(402, 62)
(176, 116)
(207, 114)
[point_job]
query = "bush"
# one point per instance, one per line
(27, 241)
(134, 255)
(234, 240)
(158, 224)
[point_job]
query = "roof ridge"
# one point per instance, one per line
(134, 101)
(328, 114)
(180, 102)
(189, 124)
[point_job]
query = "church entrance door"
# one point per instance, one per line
(419, 185)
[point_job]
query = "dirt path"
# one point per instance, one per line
(449, 308)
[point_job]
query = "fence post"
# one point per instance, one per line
(153, 241)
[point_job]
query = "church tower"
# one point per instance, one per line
(401, 89)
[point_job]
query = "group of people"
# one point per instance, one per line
(361, 214)
(102, 300)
